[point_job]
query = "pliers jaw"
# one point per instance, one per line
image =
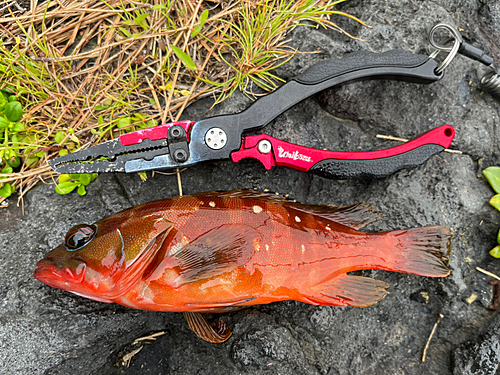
(168, 142)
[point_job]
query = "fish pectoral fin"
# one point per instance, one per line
(216, 332)
(348, 290)
(218, 251)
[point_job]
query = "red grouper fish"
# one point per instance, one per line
(222, 251)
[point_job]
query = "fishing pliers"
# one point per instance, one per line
(186, 143)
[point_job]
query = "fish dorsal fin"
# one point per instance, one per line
(348, 290)
(215, 333)
(355, 216)
(218, 251)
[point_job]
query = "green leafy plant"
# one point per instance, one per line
(78, 73)
(11, 111)
(492, 174)
(69, 182)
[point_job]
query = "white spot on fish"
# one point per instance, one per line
(257, 247)
(328, 228)
(303, 248)
(212, 204)
(267, 247)
(297, 219)
(257, 209)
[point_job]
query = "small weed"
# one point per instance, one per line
(69, 182)
(492, 174)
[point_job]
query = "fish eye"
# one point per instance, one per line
(79, 236)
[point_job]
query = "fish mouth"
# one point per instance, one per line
(51, 273)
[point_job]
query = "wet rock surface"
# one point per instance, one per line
(49, 331)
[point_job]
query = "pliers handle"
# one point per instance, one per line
(341, 165)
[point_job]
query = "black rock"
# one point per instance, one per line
(44, 330)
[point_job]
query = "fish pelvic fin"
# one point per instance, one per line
(422, 251)
(348, 290)
(215, 333)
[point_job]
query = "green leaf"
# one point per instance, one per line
(492, 174)
(128, 22)
(100, 120)
(495, 252)
(7, 190)
(203, 17)
(495, 201)
(498, 237)
(63, 152)
(40, 153)
(14, 162)
(5, 93)
(4, 123)
(18, 127)
(64, 178)
(75, 176)
(81, 190)
(13, 111)
(198, 28)
(7, 170)
(101, 107)
(124, 122)
(125, 32)
(66, 187)
(93, 176)
(160, 7)
(59, 137)
(12, 98)
(85, 179)
(184, 57)
(31, 161)
(139, 19)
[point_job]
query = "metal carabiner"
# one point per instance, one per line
(459, 46)
(457, 42)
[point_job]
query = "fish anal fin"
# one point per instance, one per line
(218, 251)
(215, 333)
(223, 304)
(348, 290)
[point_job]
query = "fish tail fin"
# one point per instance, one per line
(422, 251)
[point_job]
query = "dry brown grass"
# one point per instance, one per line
(93, 69)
